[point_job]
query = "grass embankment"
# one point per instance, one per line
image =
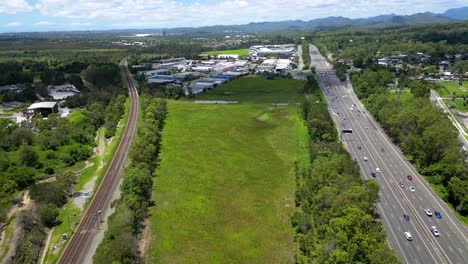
(240, 52)
(225, 186)
(86, 174)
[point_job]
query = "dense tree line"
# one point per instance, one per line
(305, 54)
(121, 240)
(174, 48)
(11, 72)
(114, 112)
(423, 132)
(334, 221)
(362, 47)
(103, 74)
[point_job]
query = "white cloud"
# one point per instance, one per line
(14, 6)
(171, 13)
(13, 24)
(44, 24)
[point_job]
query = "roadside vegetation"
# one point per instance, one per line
(120, 243)
(423, 132)
(305, 55)
(335, 218)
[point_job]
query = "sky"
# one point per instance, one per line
(63, 15)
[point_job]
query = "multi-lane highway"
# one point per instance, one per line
(372, 149)
(77, 248)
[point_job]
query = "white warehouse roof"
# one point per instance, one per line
(42, 105)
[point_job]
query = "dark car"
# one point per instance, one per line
(410, 178)
(406, 217)
(437, 214)
(373, 174)
(359, 147)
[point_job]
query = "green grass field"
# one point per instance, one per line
(457, 104)
(453, 87)
(240, 52)
(224, 190)
(257, 90)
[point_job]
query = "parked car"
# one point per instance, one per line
(437, 214)
(377, 170)
(373, 174)
(411, 188)
(409, 177)
(406, 217)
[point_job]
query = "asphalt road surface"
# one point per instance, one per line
(79, 244)
(368, 140)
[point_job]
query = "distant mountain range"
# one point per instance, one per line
(328, 23)
(392, 20)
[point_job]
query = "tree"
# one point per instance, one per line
(28, 156)
(76, 81)
(48, 214)
(48, 193)
(66, 180)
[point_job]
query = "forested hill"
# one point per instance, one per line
(382, 21)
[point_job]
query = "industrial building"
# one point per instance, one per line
(270, 50)
(60, 92)
(44, 108)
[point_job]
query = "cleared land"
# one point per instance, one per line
(240, 52)
(225, 187)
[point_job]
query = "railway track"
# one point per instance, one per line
(76, 249)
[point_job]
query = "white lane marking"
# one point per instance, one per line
(450, 248)
(419, 249)
(396, 196)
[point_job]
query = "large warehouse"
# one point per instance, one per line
(281, 50)
(45, 108)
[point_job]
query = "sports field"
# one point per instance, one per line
(240, 52)
(224, 190)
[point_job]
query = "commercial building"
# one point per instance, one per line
(228, 56)
(44, 108)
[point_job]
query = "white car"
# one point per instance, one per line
(408, 236)
(365, 158)
(411, 188)
(377, 170)
(428, 212)
(434, 231)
